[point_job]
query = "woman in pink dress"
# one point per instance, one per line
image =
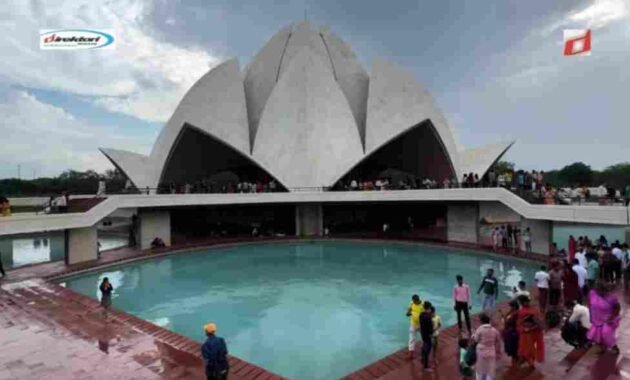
(605, 310)
(489, 344)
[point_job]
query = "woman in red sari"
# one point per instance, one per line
(571, 291)
(531, 344)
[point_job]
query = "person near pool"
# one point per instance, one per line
(488, 342)
(510, 332)
(605, 316)
(531, 345)
(214, 352)
(106, 289)
(462, 302)
(426, 332)
(414, 310)
(490, 286)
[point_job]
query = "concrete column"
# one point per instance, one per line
(82, 245)
(542, 234)
(309, 219)
(6, 250)
(462, 223)
(152, 224)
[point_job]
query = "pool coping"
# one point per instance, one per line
(371, 371)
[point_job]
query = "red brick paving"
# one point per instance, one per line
(50, 332)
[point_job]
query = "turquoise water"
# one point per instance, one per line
(313, 310)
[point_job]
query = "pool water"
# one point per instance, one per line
(311, 310)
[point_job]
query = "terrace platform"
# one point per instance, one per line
(50, 332)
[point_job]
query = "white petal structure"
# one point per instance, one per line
(307, 134)
(479, 160)
(306, 113)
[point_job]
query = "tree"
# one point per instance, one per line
(617, 176)
(576, 174)
(503, 167)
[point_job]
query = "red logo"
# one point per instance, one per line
(577, 42)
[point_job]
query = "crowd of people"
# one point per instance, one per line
(205, 186)
(575, 293)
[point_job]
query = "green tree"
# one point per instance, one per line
(576, 174)
(503, 167)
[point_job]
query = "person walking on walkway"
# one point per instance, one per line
(531, 345)
(490, 286)
(414, 310)
(214, 352)
(570, 279)
(510, 332)
(555, 284)
(426, 331)
(488, 342)
(106, 289)
(542, 283)
(605, 316)
(462, 303)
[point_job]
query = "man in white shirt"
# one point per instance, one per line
(618, 265)
(520, 291)
(542, 282)
(581, 273)
(581, 258)
(580, 320)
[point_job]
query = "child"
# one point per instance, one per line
(437, 324)
(465, 369)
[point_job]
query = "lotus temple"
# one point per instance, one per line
(295, 202)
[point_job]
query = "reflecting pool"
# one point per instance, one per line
(312, 310)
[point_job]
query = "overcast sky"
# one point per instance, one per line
(495, 67)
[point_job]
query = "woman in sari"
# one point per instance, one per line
(605, 318)
(531, 345)
(510, 332)
(571, 291)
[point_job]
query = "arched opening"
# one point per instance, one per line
(199, 162)
(416, 154)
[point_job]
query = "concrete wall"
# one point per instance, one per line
(497, 212)
(82, 245)
(309, 220)
(542, 233)
(154, 224)
(462, 223)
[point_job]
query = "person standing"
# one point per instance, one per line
(572, 246)
(571, 289)
(488, 342)
(531, 345)
(510, 230)
(555, 284)
(542, 283)
(592, 270)
(605, 318)
(625, 264)
(4, 274)
(527, 239)
(581, 277)
(521, 290)
(414, 310)
(462, 302)
(214, 352)
(496, 236)
(504, 238)
(490, 286)
(426, 332)
(106, 289)
(437, 325)
(510, 332)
